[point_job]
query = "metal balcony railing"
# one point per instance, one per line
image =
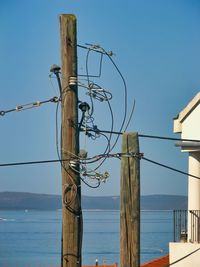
(187, 226)
(180, 225)
(195, 226)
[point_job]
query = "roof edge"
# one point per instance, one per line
(189, 108)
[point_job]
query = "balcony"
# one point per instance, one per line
(187, 226)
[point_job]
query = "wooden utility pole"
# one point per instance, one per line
(71, 190)
(130, 203)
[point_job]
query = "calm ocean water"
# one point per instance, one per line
(32, 238)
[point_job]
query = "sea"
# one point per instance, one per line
(32, 238)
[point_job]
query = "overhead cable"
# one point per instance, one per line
(170, 168)
(31, 162)
(62, 160)
(96, 158)
(35, 104)
(144, 135)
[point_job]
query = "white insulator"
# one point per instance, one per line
(73, 164)
(37, 104)
(19, 108)
(72, 80)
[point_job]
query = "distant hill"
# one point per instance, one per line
(163, 202)
(21, 200)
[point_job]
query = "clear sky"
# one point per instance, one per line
(156, 45)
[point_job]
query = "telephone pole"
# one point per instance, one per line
(130, 203)
(71, 188)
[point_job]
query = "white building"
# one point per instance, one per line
(186, 252)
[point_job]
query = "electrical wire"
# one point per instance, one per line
(57, 138)
(92, 49)
(170, 168)
(35, 104)
(100, 68)
(96, 91)
(56, 160)
(167, 138)
(81, 121)
(99, 49)
(91, 186)
(32, 162)
(108, 148)
(83, 171)
(92, 103)
(130, 117)
(88, 81)
(146, 136)
(51, 83)
(100, 97)
(125, 95)
(69, 189)
(96, 158)
(72, 191)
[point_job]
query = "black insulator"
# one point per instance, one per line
(55, 68)
(84, 106)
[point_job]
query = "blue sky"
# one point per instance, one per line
(156, 46)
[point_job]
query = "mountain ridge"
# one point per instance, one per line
(25, 200)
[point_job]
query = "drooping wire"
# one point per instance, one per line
(130, 117)
(84, 172)
(97, 48)
(108, 148)
(125, 96)
(52, 84)
(102, 50)
(73, 186)
(85, 109)
(89, 185)
(100, 65)
(88, 81)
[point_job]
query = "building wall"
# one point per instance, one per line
(184, 254)
(190, 127)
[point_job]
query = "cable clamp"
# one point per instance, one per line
(137, 155)
(2, 113)
(96, 129)
(131, 154)
(55, 99)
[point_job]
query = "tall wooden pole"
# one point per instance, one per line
(130, 203)
(71, 191)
